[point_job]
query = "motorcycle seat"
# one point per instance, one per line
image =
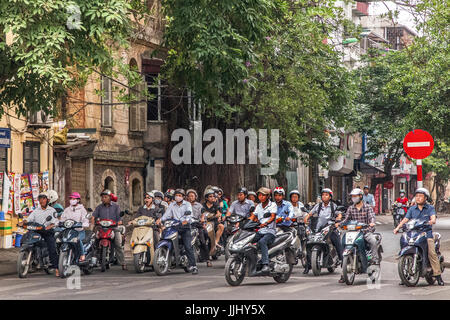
(279, 239)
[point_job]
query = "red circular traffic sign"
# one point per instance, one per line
(388, 185)
(418, 144)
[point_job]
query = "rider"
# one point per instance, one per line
(241, 206)
(159, 199)
(368, 197)
(424, 210)
(192, 197)
(252, 196)
(267, 231)
(211, 206)
(168, 196)
(403, 200)
(76, 211)
(285, 210)
(326, 211)
(53, 197)
(177, 211)
(39, 215)
(363, 213)
(223, 205)
(294, 197)
(152, 210)
(111, 210)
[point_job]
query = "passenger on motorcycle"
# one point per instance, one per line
(152, 210)
(76, 211)
(111, 210)
(326, 211)
(223, 205)
(177, 211)
(403, 200)
(159, 199)
(267, 231)
(211, 206)
(422, 210)
(192, 197)
(241, 206)
(39, 215)
(252, 196)
(169, 196)
(294, 197)
(53, 197)
(285, 210)
(363, 213)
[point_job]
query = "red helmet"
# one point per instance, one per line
(75, 195)
(114, 197)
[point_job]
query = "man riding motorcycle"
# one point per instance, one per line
(77, 212)
(39, 215)
(326, 211)
(297, 205)
(422, 209)
(266, 233)
(159, 199)
(242, 205)
(285, 210)
(363, 213)
(211, 206)
(152, 210)
(403, 200)
(111, 210)
(202, 233)
(177, 211)
(53, 197)
(168, 196)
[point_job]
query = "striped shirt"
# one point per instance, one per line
(365, 215)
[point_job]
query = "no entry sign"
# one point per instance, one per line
(418, 144)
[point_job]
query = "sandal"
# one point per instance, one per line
(209, 264)
(82, 258)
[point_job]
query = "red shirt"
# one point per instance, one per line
(403, 201)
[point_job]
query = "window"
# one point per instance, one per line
(138, 109)
(109, 184)
(158, 103)
(106, 102)
(31, 157)
(137, 192)
(3, 159)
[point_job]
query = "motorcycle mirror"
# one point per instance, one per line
(56, 215)
(50, 217)
(252, 208)
(122, 213)
(89, 210)
(20, 215)
(128, 212)
(187, 213)
(267, 215)
(89, 215)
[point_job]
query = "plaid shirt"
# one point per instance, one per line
(365, 215)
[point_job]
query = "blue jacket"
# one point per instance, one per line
(285, 210)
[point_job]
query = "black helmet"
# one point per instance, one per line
(106, 192)
(158, 194)
(243, 190)
(180, 191)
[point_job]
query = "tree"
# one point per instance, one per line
(57, 44)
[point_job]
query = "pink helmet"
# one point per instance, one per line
(75, 195)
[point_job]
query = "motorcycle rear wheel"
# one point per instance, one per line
(160, 255)
(315, 258)
(347, 273)
(231, 268)
(404, 266)
(303, 256)
(282, 278)
(22, 266)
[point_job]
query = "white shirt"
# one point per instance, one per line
(40, 215)
(259, 213)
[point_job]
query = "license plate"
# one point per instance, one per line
(141, 222)
(350, 237)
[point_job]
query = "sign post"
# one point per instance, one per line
(418, 144)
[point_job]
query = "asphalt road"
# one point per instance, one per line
(210, 283)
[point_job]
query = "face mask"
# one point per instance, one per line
(157, 201)
(178, 198)
(356, 200)
(73, 202)
(402, 195)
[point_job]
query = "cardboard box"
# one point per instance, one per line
(6, 242)
(5, 228)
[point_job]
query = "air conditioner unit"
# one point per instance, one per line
(39, 119)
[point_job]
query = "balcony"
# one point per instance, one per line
(360, 8)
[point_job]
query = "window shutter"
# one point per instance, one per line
(106, 107)
(142, 107)
(133, 117)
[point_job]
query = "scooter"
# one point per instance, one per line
(214, 251)
(245, 255)
(232, 223)
(105, 242)
(142, 243)
(413, 257)
(398, 214)
(357, 257)
(67, 244)
(170, 252)
(33, 250)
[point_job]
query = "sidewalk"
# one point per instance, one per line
(8, 261)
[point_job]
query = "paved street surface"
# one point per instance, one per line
(210, 282)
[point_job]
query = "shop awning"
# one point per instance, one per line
(367, 168)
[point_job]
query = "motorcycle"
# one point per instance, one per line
(398, 214)
(122, 229)
(300, 226)
(170, 251)
(105, 242)
(211, 241)
(33, 250)
(67, 237)
(357, 257)
(413, 257)
(244, 255)
(320, 248)
(142, 243)
(232, 223)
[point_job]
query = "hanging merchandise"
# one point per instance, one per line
(26, 196)
(1, 185)
(5, 192)
(17, 182)
(35, 188)
(11, 193)
(45, 182)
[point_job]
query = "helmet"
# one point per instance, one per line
(158, 194)
(366, 187)
(328, 190)
(150, 194)
(52, 196)
(294, 192)
(208, 192)
(243, 190)
(74, 195)
(180, 191)
(43, 195)
(193, 191)
(402, 191)
(279, 190)
(356, 192)
(251, 193)
(106, 192)
(423, 191)
(263, 190)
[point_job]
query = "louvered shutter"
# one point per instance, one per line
(106, 99)
(142, 107)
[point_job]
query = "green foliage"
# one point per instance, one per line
(438, 161)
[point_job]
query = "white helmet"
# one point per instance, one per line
(423, 191)
(294, 192)
(52, 196)
(356, 192)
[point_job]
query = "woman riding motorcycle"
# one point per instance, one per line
(76, 211)
(211, 206)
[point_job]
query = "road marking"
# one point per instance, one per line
(378, 222)
(44, 291)
(358, 288)
(220, 289)
(20, 286)
(298, 287)
(181, 285)
(418, 144)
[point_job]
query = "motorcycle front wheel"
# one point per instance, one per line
(139, 263)
(64, 264)
(22, 265)
(161, 261)
(347, 269)
(104, 264)
(303, 256)
(315, 262)
(408, 276)
(232, 274)
(283, 277)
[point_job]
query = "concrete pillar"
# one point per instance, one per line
(159, 164)
(91, 182)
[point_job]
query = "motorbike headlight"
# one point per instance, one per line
(68, 224)
(325, 231)
(141, 222)
(168, 224)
